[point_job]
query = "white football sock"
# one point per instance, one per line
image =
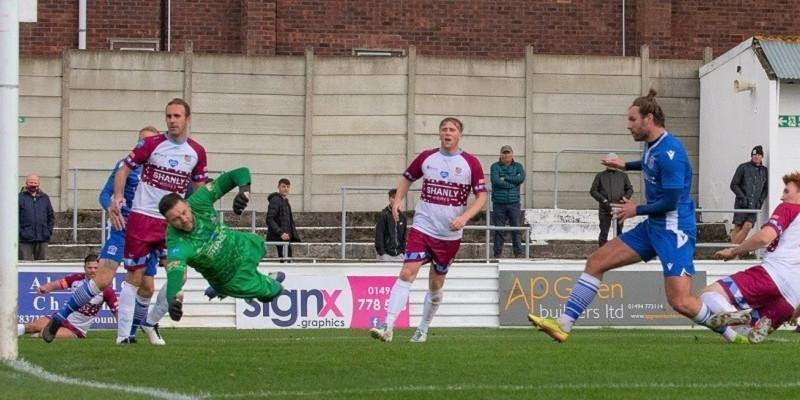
(397, 300)
(127, 303)
(160, 308)
(429, 308)
(716, 302)
(20, 329)
(728, 334)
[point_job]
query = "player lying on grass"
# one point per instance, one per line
(226, 258)
(78, 323)
(768, 293)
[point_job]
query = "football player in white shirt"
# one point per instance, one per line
(448, 175)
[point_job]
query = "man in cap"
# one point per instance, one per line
(507, 177)
(749, 183)
(609, 187)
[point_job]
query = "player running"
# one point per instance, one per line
(448, 175)
(78, 323)
(115, 244)
(768, 293)
(226, 258)
(669, 232)
(170, 162)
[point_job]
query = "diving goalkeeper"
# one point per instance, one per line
(226, 258)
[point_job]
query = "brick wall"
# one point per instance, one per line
(463, 28)
(109, 19)
(213, 26)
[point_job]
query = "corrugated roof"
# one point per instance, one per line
(782, 53)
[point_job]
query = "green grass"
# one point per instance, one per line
(453, 364)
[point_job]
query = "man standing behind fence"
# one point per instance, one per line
(390, 235)
(609, 187)
(507, 176)
(749, 183)
(280, 221)
(36, 220)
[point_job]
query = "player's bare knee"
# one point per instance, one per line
(408, 275)
(409, 272)
(682, 305)
(105, 273)
(435, 285)
(135, 276)
(145, 291)
(595, 265)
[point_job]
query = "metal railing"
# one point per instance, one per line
(727, 211)
(75, 196)
(344, 189)
(526, 229)
(581, 151)
(488, 227)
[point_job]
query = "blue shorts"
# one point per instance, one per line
(115, 245)
(675, 248)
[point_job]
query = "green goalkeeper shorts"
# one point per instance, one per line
(247, 282)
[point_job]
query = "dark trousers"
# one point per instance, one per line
(288, 252)
(30, 251)
(502, 214)
(605, 224)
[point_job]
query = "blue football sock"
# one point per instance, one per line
(139, 313)
(581, 296)
(80, 297)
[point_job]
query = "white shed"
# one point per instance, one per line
(749, 96)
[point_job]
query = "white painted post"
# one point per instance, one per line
(9, 174)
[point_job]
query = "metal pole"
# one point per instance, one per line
(528, 243)
(344, 220)
(555, 182)
(103, 227)
(9, 175)
(253, 221)
(488, 224)
(75, 207)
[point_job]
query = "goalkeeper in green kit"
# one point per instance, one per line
(226, 258)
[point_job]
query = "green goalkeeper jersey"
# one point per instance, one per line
(213, 249)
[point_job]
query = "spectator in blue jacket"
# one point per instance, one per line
(36, 220)
(507, 176)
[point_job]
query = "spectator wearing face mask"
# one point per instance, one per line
(36, 220)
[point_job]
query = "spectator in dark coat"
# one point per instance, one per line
(749, 184)
(36, 220)
(280, 221)
(507, 176)
(390, 235)
(609, 187)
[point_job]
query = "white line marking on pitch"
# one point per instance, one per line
(40, 373)
(506, 388)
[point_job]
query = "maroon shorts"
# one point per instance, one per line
(425, 248)
(754, 289)
(72, 328)
(144, 235)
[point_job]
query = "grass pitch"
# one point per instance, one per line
(453, 364)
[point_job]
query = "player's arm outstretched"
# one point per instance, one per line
(240, 178)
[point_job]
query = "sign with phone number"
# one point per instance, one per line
(324, 302)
